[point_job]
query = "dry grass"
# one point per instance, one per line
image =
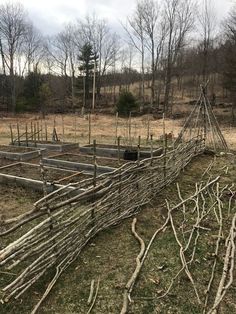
(103, 127)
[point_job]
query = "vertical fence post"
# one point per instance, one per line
(75, 130)
(35, 135)
(41, 128)
(130, 141)
(94, 174)
(151, 137)
(18, 133)
(118, 150)
(139, 144)
(116, 131)
(46, 132)
(89, 128)
(31, 131)
(165, 150)
(148, 129)
(38, 130)
(26, 135)
(12, 140)
(63, 129)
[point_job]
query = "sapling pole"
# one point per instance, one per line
(129, 135)
(41, 129)
(148, 129)
(26, 135)
(46, 131)
(63, 129)
(151, 136)
(75, 129)
(31, 131)
(12, 140)
(18, 134)
(116, 131)
(163, 129)
(35, 135)
(94, 173)
(118, 150)
(94, 85)
(139, 144)
(89, 128)
(38, 130)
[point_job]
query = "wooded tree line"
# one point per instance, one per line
(166, 47)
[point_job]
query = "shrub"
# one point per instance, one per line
(126, 103)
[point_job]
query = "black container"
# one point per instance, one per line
(130, 155)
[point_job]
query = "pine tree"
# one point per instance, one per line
(87, 58)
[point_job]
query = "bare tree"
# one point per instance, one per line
(12, 31)
(207, 25)
(179, 19)
(149, 12)
(105, 43)
(32, 48)
(136, 35)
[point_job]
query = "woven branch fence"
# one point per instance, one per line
(74, 218)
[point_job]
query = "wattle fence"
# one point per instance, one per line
(69, 219)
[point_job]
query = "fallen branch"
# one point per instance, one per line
(131, 282)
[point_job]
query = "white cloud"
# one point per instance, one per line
(50, 15)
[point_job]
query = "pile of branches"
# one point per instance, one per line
(206, 203)
(74, 218)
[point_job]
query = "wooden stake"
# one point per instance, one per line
(94, 173)
(12, 140)
(18, 134)
(151, 148)
(38, 130)
(94, 85)
(118, 150)
(139, 144)
(148, 128)
(41, 129)
(46, 131)
(164, 129)
(130, 143)
(63, 129)
(35, 135)
(75, 129)
(89, 128)
(94, 162)
(31, 131)
(117, 119)
(26, 135)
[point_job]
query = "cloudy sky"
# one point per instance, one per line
(50, 15)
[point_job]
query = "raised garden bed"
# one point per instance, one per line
(88, 159)
(54, 146)
(19, 153)
(106, 150)
(29, 176)
(83, 163)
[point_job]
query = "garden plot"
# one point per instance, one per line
(19, 153)
(29, 176)
(106, 150)
(79, 162)
(15, 200)
(48, 145)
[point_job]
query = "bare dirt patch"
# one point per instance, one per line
(51, 174)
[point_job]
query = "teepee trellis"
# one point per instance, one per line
(202, 123)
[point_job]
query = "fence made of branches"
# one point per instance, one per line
(71, 217)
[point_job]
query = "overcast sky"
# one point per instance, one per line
(50, 15)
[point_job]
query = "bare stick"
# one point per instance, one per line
(95, 297)
(91, 292)
(131, 282)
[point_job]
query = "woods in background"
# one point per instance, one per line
(167, 49)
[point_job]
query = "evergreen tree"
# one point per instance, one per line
(86, 59)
